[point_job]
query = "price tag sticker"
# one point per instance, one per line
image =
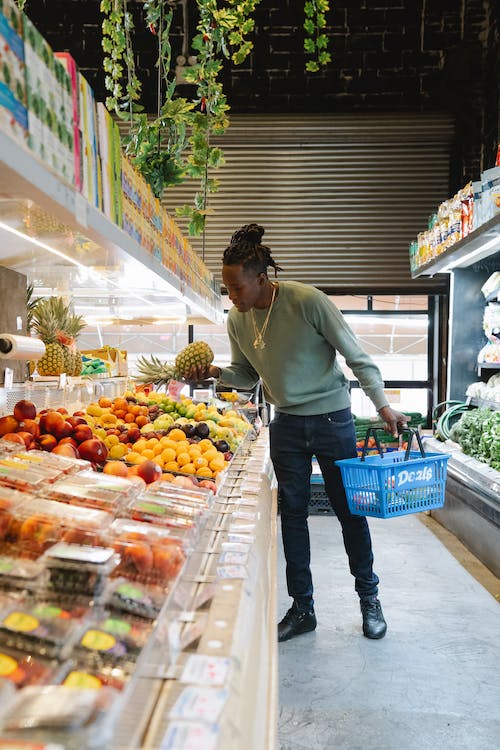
(203, 704)
(232, 571)
(183, 735)
(62, 381)
(233, 558)
(206, 670)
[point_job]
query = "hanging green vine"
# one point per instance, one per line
(221, 32)
(117, 28)
(316, 41)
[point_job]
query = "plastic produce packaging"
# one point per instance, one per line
(41, 628)
(79, 570)
(112, 640)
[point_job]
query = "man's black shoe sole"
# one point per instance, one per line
(298, 630)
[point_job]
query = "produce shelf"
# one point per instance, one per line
(91, 254)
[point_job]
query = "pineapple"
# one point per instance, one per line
(154, 371)
(45, 324)
(74, 325)
(193, 355)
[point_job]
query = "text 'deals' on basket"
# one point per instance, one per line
(394, 484)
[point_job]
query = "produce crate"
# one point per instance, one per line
(395, 484)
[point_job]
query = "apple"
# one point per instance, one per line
(47, 442)
(49, 420)
(66, 449)
(74, 421)
(24, 410)
(93, 450)
(62, 429)
(123, 438)
(79, 413)
(30, 425)
(62, 410)
(8, 424)
(82, 432)
(149, 470)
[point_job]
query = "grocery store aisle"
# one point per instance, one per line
(432, 682)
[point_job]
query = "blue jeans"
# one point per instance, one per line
(294, 440)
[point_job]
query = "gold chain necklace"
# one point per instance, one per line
(258, 342)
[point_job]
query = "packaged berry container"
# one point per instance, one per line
(148, 553)
(61, 716)
(79, 675)
(201, 498)
(24, 669)
(65, 464)
(112, 639)
(77, 569)
(154, 511)
(22, 477)
(37, 523)
(76, 493)
(49, 473)
(17, 574)
(135, 598)
(40, 629)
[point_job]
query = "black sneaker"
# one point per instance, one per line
(374, 625)
(296, 622)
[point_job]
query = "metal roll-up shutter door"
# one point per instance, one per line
(340, 196)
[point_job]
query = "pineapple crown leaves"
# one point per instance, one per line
(153, 370)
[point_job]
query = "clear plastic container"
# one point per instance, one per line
(17, 573)
(157, 512)
(112, 640)
(135, 598)
(40, 629)
(148, 553)
(81, 676)
(65, 464)
(49, 473)
(68, 717)
(79, 570)
(24, 669)
(22, 477)
(38, 523)
(96, 490)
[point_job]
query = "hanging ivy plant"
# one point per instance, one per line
(316, 41)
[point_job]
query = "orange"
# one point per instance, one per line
(120, 403)
(183, 458)
(200, 462)
(152, 442)
(129, 417)
(135, 458)
(211, 454)
(188, 469)
(171, 466)
(168, 454)
(117, 468)
(205, 444)
(204, 471)
(148, 453)
(141, 421)
(167, 443)
(216, 464)
(176, 434)
(140, 444)
(157, 449)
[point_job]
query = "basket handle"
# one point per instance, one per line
(373, 430)
(412, 434)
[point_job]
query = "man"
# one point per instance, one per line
(288, 334)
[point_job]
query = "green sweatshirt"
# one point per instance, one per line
(299, 368)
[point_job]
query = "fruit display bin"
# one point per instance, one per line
(395, 484)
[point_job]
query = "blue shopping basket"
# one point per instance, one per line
(394, 484)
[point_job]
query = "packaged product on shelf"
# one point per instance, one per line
(13, 94)
(109, 153)
(17, 573)
(111, 639)
(50, 473)
(95, 490)
(39, 628)
(60, 714)
(37, 523)
(70, 66)
(12, 66)
(490, 182)
(24, 477)
(153, 511)
(79, 675)
(149, 553)
(91, 170)
(65, 464)
(50, 108)
(79, 570)
(477, 204)
(23, 669)
(134, 597)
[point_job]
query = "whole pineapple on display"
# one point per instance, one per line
(46, 326)
(73, 357)
(193, 355)
(154, 371)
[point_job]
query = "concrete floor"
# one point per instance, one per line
(433, 683)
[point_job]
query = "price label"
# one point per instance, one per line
(206, 670)
(203, 704)
(183, 735)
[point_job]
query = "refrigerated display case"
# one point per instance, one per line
(472, 507)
